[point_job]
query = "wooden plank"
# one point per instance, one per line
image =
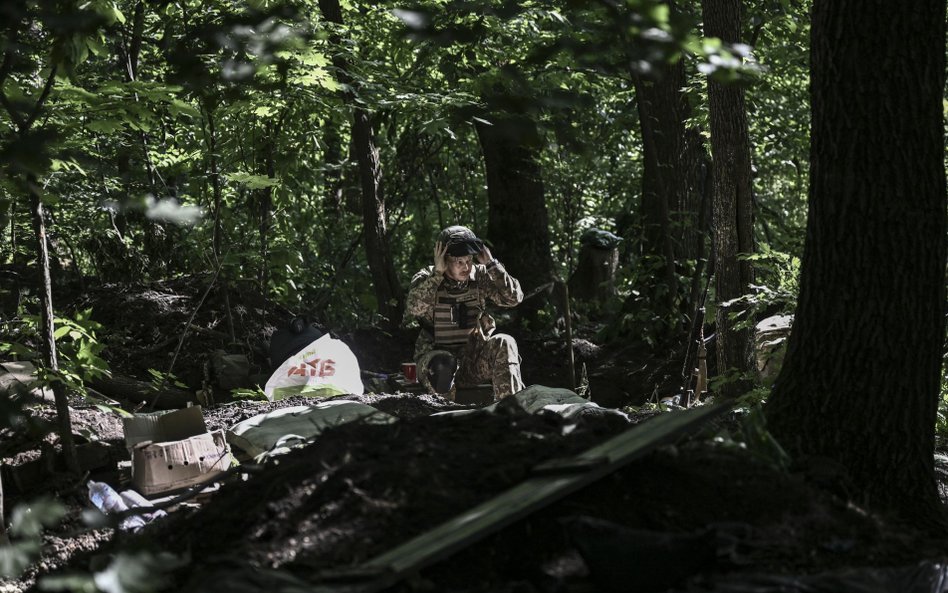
(516, 503)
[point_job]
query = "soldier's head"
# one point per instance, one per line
(462, 245)
(460, 241)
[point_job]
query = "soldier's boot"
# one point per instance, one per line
(441, 369)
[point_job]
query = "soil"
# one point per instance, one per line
(689, 516)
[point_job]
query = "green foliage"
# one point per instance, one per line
(234, 117)
(255, 394)
(162, 380)
(941, 421)
(754, 437)
(142, 571)
(26, 528)
(778, 294)
(78, 347)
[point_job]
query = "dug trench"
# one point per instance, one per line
(688, 516)
(685, 516)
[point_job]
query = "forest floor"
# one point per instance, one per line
(707, 513)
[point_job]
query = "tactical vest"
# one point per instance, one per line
(456, 315)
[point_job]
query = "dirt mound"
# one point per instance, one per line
(363, 489)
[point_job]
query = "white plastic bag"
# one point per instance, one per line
(325, 368)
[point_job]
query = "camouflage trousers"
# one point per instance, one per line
(495, 359)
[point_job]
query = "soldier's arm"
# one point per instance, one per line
(422, 294)
(502, 288)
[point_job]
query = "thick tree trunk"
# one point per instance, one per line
(732, 203)
(4, 538)
(48, 332)
(595, 275)
(388, 290)
(861, 376)
(517, 219)
(662, 111)
(673, 169)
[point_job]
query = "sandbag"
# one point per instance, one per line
(326, 367)
(278, 430)
(535, 398)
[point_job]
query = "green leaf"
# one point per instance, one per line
(114, 410)
(106, 126)
(17, 557)
(659, 13)
(253, 181)
(29, 519)
(75, 583)
(117, 14)
(139, 572)
(178, 106)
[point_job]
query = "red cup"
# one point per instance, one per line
(410, 372)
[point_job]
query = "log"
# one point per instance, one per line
(135, 391)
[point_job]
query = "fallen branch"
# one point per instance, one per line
(135, 391)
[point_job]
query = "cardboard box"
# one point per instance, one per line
(160, 467)
(160, 427)
(173, 450)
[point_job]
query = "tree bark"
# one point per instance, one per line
(4, 538)
(332, 178)
(595, 275)
(732, 203)
(266, 211)
(518, 222)
(860, 381)
(218, 203)
(388, 289)
(662, 110)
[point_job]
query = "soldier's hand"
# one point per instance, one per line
(485, 257)
(440, 261)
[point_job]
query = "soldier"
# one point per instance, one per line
(457, 344)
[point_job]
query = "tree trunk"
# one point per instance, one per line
(48, 330)
(218, 197)
(388, 289)
(861, 376)
(517, 223)
(662, 111)
(595, 275)
(332, 161)
(266, 212)
(732, 203)
(4, 538)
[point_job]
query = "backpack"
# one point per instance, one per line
(287, 341)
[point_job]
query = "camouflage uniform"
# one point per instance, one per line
(481, 354)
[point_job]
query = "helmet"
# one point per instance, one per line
(460, 241)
